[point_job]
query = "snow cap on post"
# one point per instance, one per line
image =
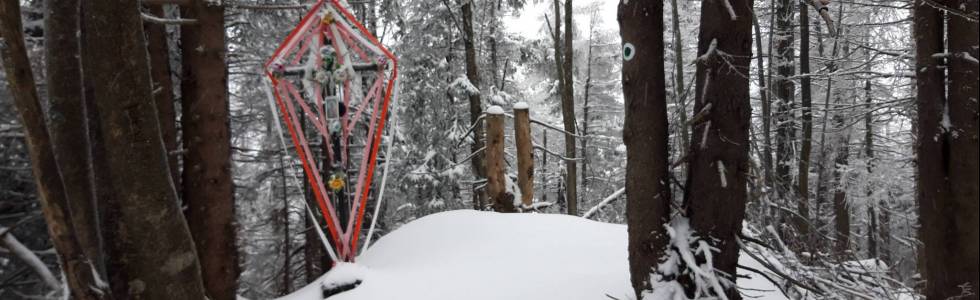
(521, 105)
(495, 110)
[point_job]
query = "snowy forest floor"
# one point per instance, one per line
(484, 255)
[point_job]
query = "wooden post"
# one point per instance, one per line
(500, 200)
(525, 161)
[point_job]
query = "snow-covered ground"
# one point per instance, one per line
(483, 255)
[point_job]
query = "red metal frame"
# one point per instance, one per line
(345, 239)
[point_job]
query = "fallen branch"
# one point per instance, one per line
(769, 266)
(29, 258)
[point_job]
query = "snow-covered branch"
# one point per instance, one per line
(158, 20)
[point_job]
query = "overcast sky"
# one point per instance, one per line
(529, 22)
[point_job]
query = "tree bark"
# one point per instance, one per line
(163, 90)
(476, 108)
(715, 192)
(568, 115)
(947, 150)
(764, 93)
(869, 156)
(806, 141)
(784, 93)
(679, 79)
(51, 191)
(67, 125)
(500, 199)
(525, 157)
(208, 191)
(842, 210)
(287, 240)
(646, 135)
(153, 256)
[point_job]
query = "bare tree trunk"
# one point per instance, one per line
(544, 167)
(163, 90)
(842, 210)
(67, 125)
(784, 93)
(947, 151)
(803, 190)
(500, 199)
(585, 112)
(314, 253)
(646, 135)
(476, 108)
(679, 94)
(869, 155)
(287, 240)
(153, 256)
(715, 192)
(525, 157)
(207, 188)
(568, 115)
(51, 191)
(766, 152)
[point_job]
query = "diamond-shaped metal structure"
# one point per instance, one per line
(333, 81)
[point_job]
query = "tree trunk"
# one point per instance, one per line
(525, 157)
(500, 199)
(476, 108)
(50, 188)
(646, 135)
(947, 151)
(153, 256)
(766, 152)
(963, 37)
(287, 240)
(585, 116)
(679, 78)
(842, 210)
(719, 161)
(568, 115)
(207, 188)
(803, 166)
(163, 90)
(544, 166)
(67, 125)
(869, 156)
(314, 253)
(784, 93)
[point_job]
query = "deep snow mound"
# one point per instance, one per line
(476, 255)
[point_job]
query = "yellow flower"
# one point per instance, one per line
(336, 183)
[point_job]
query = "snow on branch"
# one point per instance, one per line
(562, 157)
(612, 197)
(158, 20)
(555, 128)
(464, 84)
(470, 130)
(682, 262)
(960, 55)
